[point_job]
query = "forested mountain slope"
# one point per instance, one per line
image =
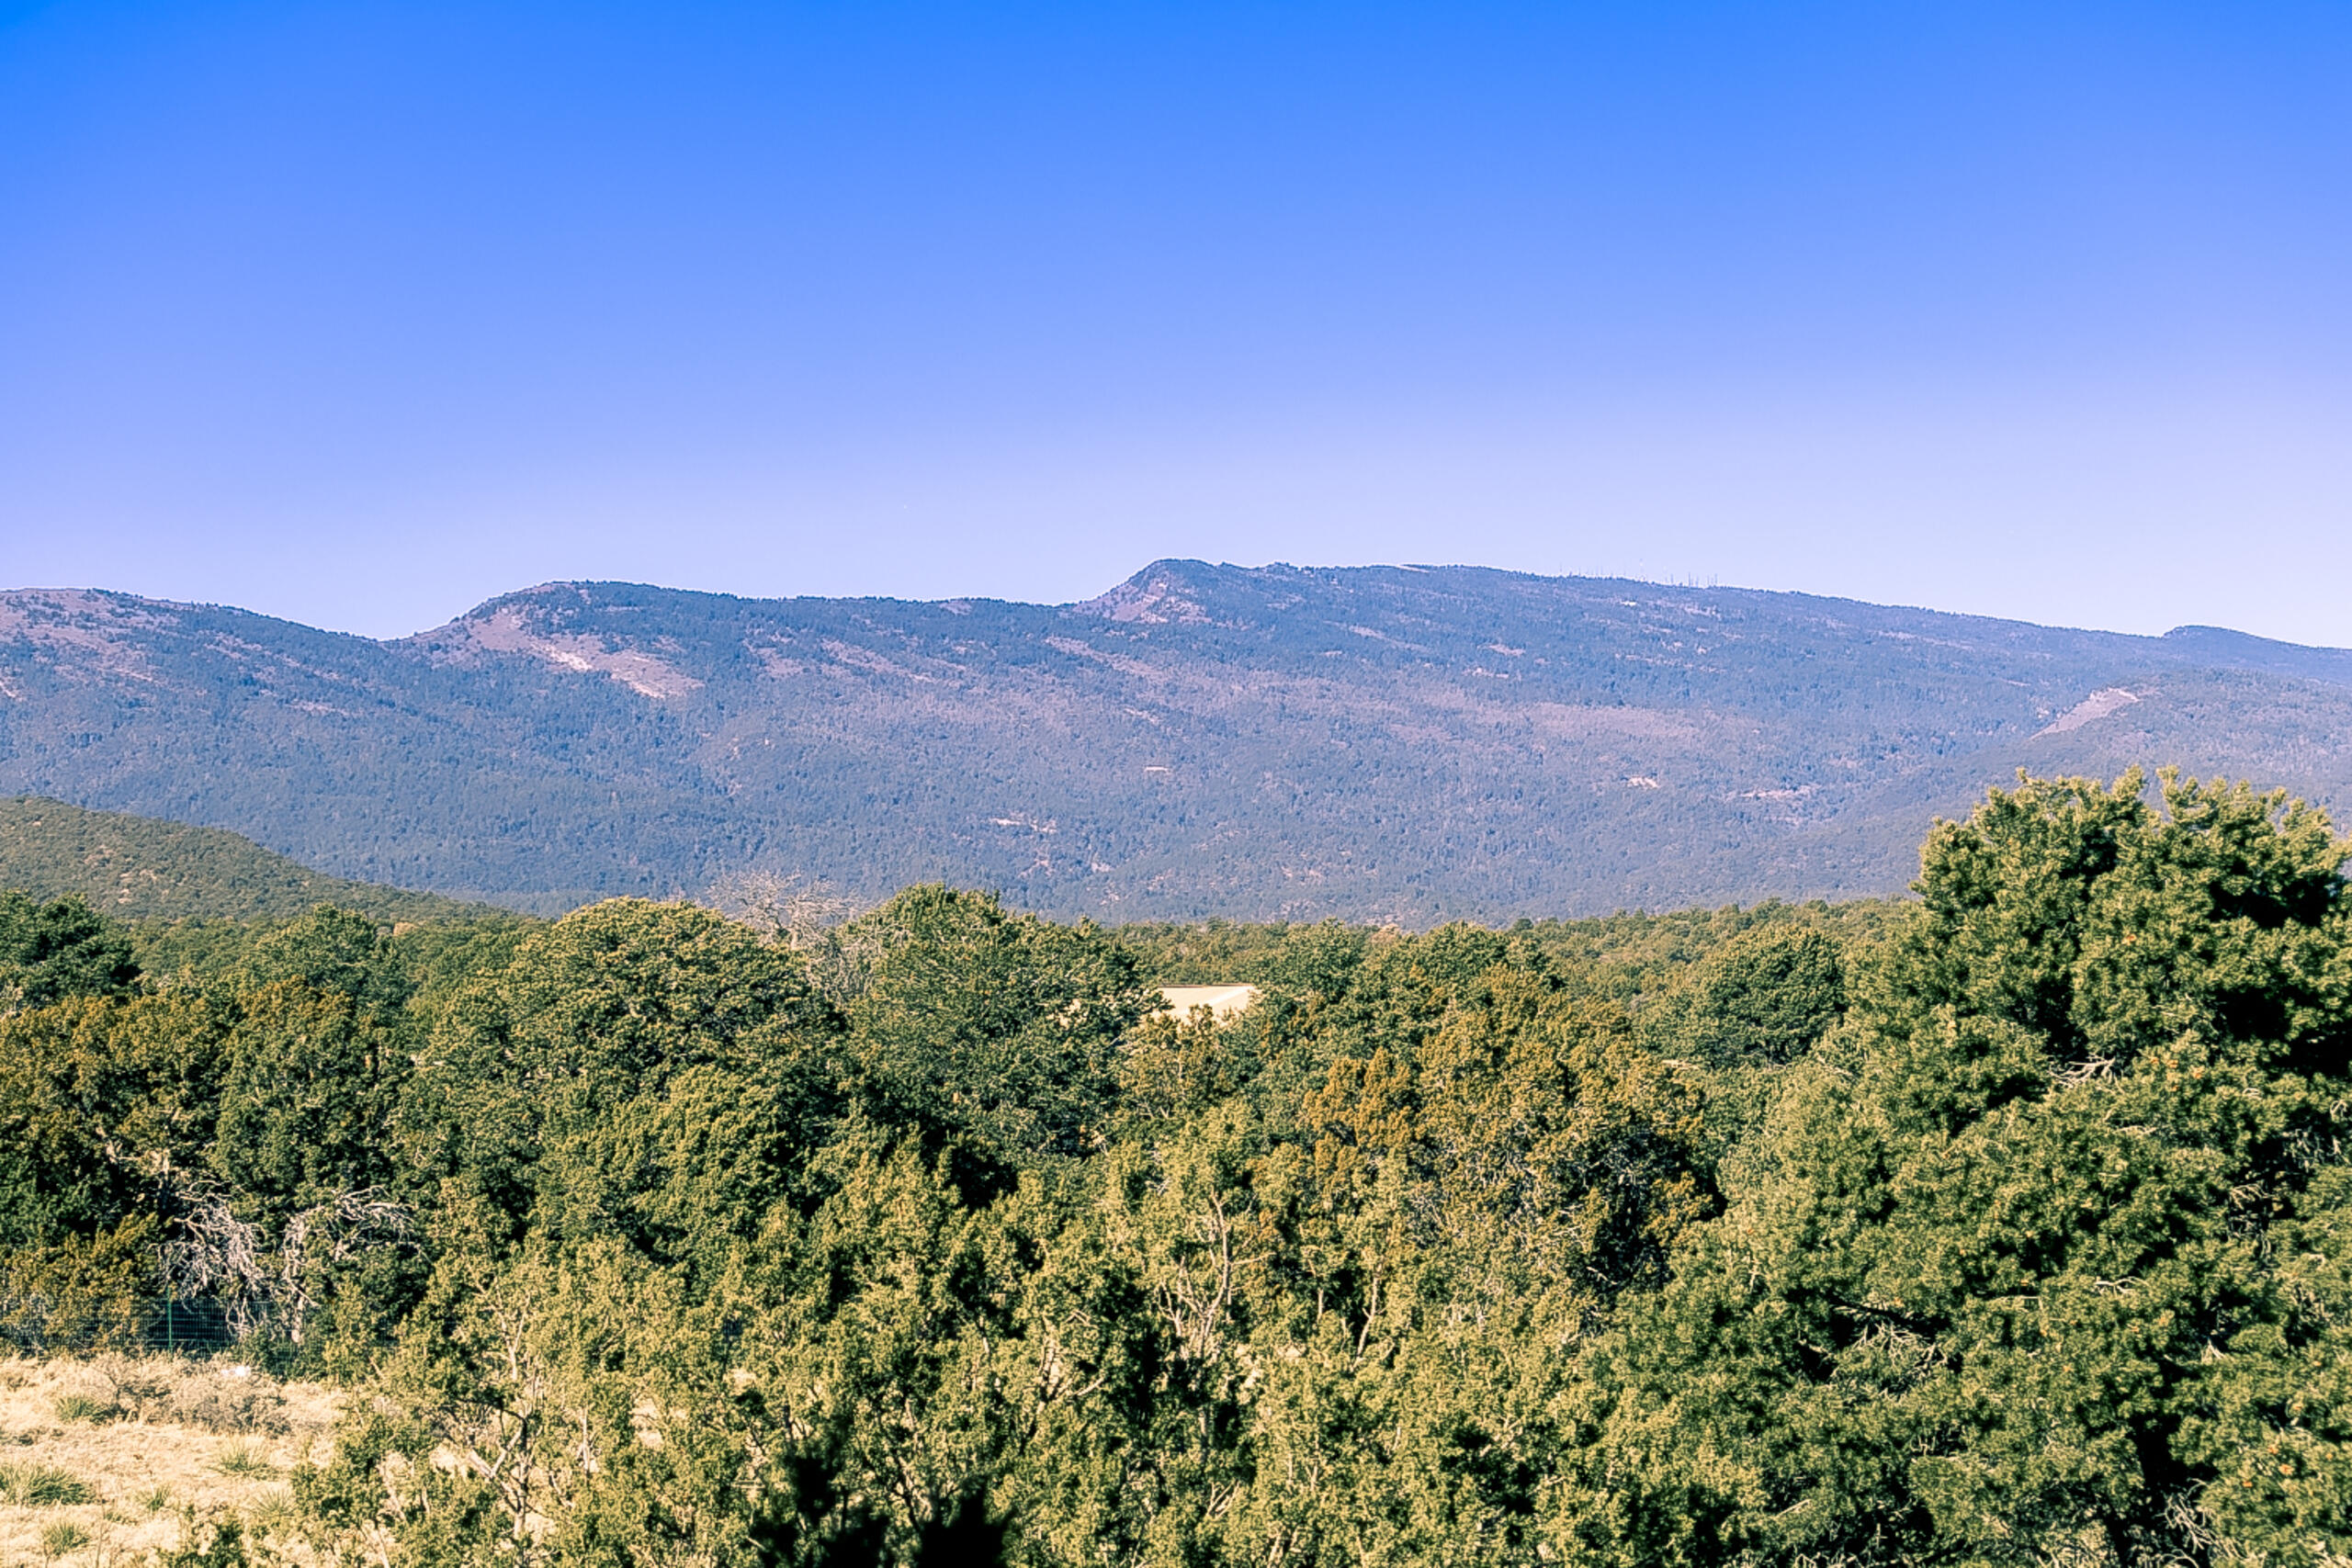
(1383, 742)
(137, 868)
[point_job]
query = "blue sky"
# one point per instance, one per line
(359, 313)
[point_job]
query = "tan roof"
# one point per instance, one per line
(1222, 1002)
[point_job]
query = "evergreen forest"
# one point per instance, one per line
(2009, 1222)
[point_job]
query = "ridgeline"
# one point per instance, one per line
(137, 868)
(1375, 744)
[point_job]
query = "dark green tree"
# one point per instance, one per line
(644, 1070)
(2010, 1280)
(336, 953)
(1763, 998)
(307, 1103)
(59, 949)
(1318, 960)
(999, 1028)
(103, 1100)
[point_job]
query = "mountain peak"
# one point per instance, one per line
(1162, 593)
(542, 623)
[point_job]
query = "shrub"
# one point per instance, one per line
(223, 1402)
(76, 1294)
(212, 1541)
(44, 1486)
(273, 1513)
(83, 1407)
(244, 1460)
(58, 1540)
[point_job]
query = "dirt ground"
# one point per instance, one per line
(151, 1437)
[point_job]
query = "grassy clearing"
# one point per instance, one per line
(78, 1491)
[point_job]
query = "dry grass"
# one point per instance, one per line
(174, 1434)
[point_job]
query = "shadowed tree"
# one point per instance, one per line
(57, 949)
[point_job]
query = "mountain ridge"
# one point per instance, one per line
(1374, 742)
(138, 868)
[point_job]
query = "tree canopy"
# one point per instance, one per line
(2012, 1225)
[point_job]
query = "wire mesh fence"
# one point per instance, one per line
(32, 1326)
(179, 1327)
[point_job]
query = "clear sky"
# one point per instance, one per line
(359, 313)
